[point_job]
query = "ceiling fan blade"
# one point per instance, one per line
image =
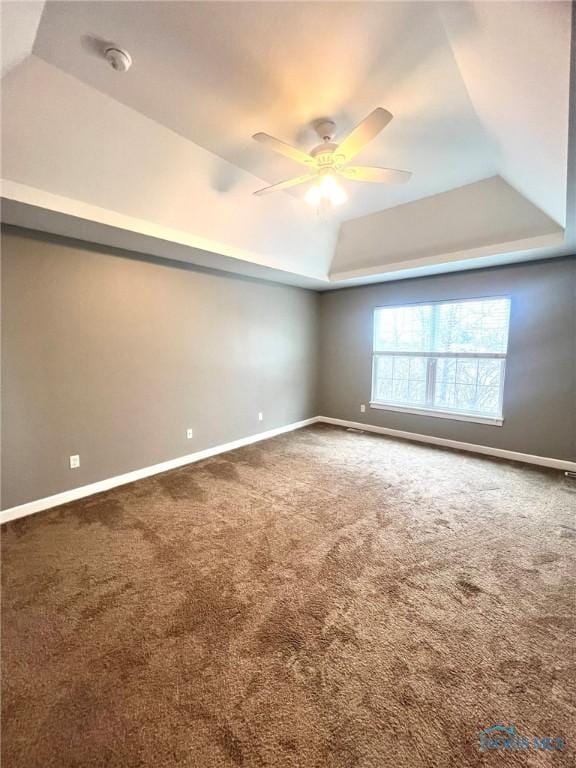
(378, 175)
(286, 184)
(284, 149)
(363, 133)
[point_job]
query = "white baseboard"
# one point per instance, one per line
(39, 505)
(22, 510)
(499, 453)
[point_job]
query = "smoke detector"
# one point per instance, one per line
(118, 58)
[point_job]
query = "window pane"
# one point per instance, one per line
(403, 329)
(445, 391)
(489, 372)
(466, 371)
(431, 355)
(400, 380)
(418, 368)
(472, 326)
(469, 385)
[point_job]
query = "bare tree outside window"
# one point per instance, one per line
(447, 357)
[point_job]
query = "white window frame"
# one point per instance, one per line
(432, 357)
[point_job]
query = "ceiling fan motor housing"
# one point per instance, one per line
(325, 156)
(325, 129)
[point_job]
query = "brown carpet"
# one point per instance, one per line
(320, 599)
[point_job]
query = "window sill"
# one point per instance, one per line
(495, 422)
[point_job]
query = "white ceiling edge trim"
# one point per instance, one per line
(516, 252)
(33, 208)
(508, 248)
(44, 212)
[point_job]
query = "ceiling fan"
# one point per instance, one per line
(329, 160)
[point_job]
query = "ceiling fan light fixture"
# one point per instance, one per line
(327, 192)
(333, 192)
(313, 195)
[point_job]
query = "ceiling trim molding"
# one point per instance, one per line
(36, 209)
(39, 198)
(508, 248)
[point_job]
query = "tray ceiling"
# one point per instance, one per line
(477, 89)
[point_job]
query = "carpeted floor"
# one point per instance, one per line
(320, 599)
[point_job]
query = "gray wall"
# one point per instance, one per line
(540, 384)
(113, 357)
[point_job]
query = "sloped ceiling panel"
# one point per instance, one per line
(487, 214)
(515, 61)
(78, 145)
(19, 22)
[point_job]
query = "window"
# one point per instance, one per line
(444, 359)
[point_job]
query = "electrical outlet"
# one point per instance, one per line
(189, 434)
(362, 408)
(260, 416)
(74, 462)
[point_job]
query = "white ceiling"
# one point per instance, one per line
(18, 29)
(216, 73)
(478, 89)
(516, 69)
(76, 151)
